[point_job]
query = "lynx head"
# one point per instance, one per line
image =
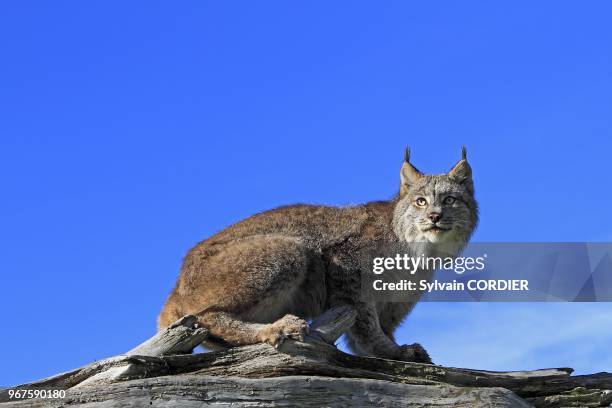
(438, 209)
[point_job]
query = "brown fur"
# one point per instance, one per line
(259, 279)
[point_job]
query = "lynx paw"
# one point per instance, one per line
(414, 353)
(289, 326)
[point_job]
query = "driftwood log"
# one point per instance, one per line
(161, 372)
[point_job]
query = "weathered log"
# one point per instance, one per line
(332, 324)
(309, 373)
(187, 391)
(180, 337)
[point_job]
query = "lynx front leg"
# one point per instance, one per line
(367, 338)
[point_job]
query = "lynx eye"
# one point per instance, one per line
(449, 200)
(421, 202)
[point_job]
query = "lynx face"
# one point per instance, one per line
(438, 209)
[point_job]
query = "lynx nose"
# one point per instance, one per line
(435, 217)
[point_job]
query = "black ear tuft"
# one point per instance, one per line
(408, 173)
(462, 171)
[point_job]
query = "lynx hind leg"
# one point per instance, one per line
(228, 330)
(287, 327)
(251, 291)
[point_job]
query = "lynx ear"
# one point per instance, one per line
(408, 174)
(462, 172)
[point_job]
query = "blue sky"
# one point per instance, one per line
(130, 131)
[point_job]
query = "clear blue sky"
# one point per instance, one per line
(131, 130)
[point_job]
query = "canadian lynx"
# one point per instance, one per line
(260, 279)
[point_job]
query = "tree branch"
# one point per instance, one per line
(309, 373)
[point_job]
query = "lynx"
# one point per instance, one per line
(262, 278)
